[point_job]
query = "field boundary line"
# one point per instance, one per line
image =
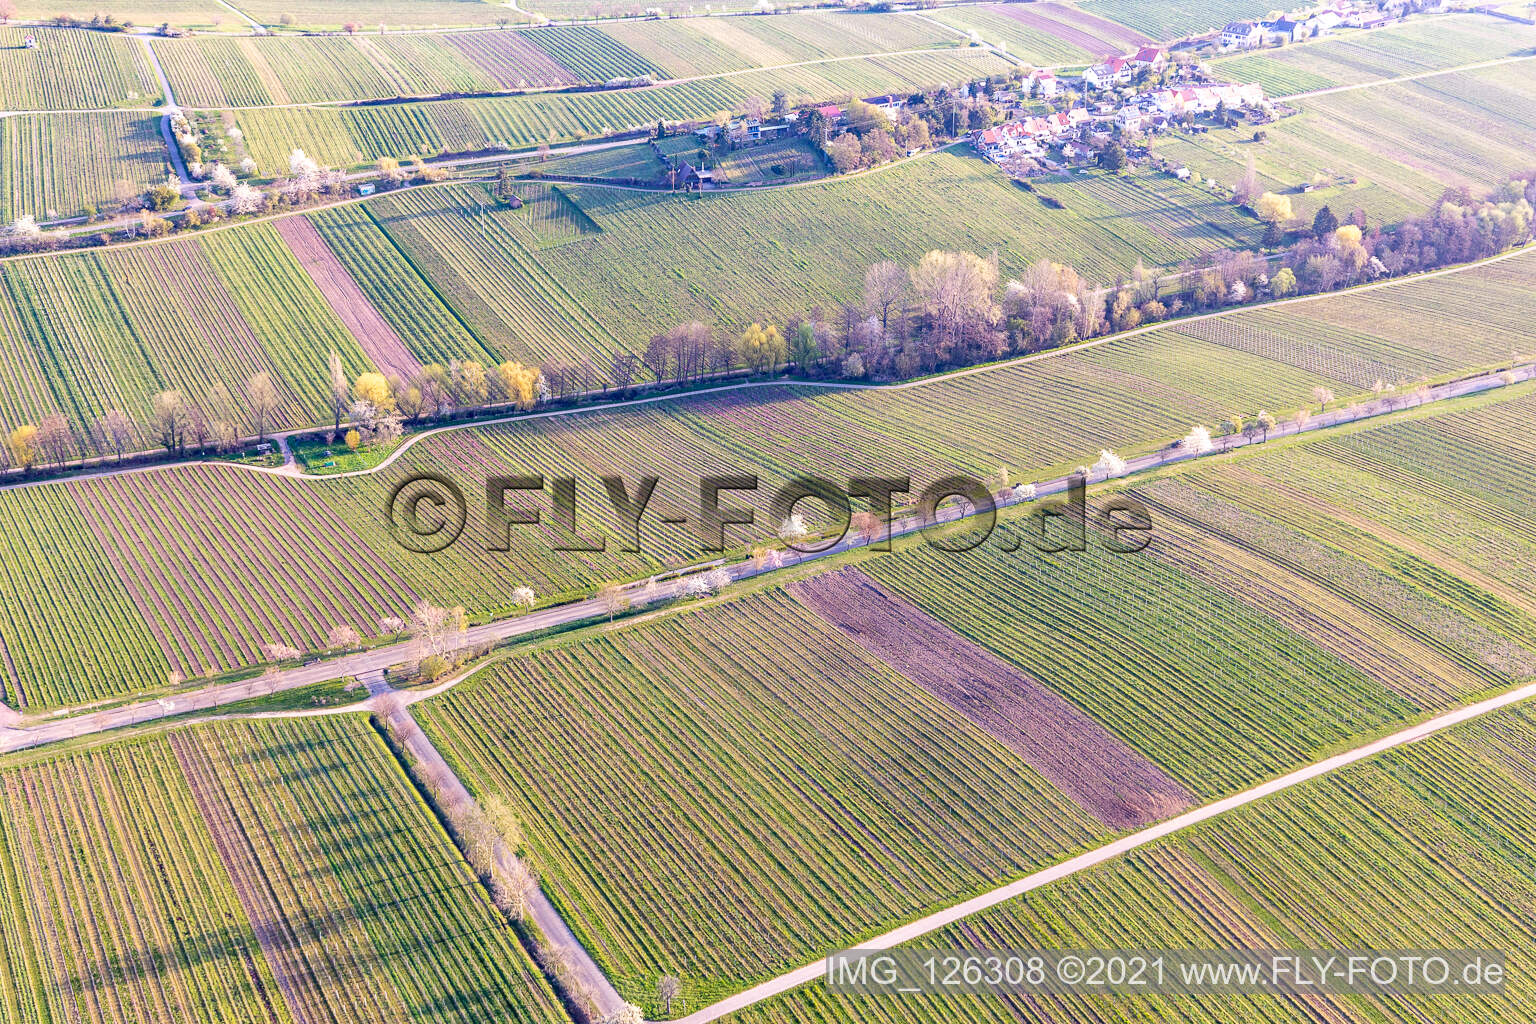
(1111, 851)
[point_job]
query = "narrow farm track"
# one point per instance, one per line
(1067, 868)
(540, 909)
(498, 631)
(1378, 83)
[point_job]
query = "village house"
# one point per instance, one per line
(1044, 84)
(1115, 71)
(1279, 32)
(1148, 58)
(890, 105)
(1241, 35)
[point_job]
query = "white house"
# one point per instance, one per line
(1115, 71)
(1045, 83)
(1240, 35)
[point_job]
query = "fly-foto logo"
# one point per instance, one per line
(428, 513)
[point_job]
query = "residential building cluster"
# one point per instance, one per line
(1298, 26)
(1137, 94)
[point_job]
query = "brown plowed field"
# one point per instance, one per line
(1081, 758)
(342, 294)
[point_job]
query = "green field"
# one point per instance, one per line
(1318, 623)
(1047, 34)
(733, 258)
(211, 71)
(355, 135)
(63, 163)
(277, 872)
(393, 14)
(712, 46)
(92, 332)
(202, 14)
(593, 55)
(637, 162)
(427, 324)
(771, 162)
(1166, 20)
(1038, 418)
(1390, 150)
(867, 796)
(1350, 58)
(73, 69)
(1427, 846)
(214, 71)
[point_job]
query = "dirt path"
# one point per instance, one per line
(1377, 83)
(16, 737)
(944, 918)
(456, 802)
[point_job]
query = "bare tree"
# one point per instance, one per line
(116, 431)
(868, 525)
(169, 412)
(612, 599)
(262, 398)
(668, 988)
(55, 439)
(885, 285)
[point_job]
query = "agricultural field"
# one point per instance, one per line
(63, 165)
(427, 325)
(529, 291)
(359, 135)
(593, 55)
(1167, 20)
(864, 804)
(116, 904)
(576, 10)
(367, 910)
(1389, 150)
(92, 332)
(713, 46)
(1038, 419)
(277, 872)
(772, 162)
(1350, 58)
(330, 15)
(214, 71)
(637, 162)
(1163, 219)
(71, 69)
(487, 262)
(1426, 846)
(1198, 703)
(1044, 34)
(191, 14)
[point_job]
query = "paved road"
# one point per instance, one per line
(380, 658)
(944, 918)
